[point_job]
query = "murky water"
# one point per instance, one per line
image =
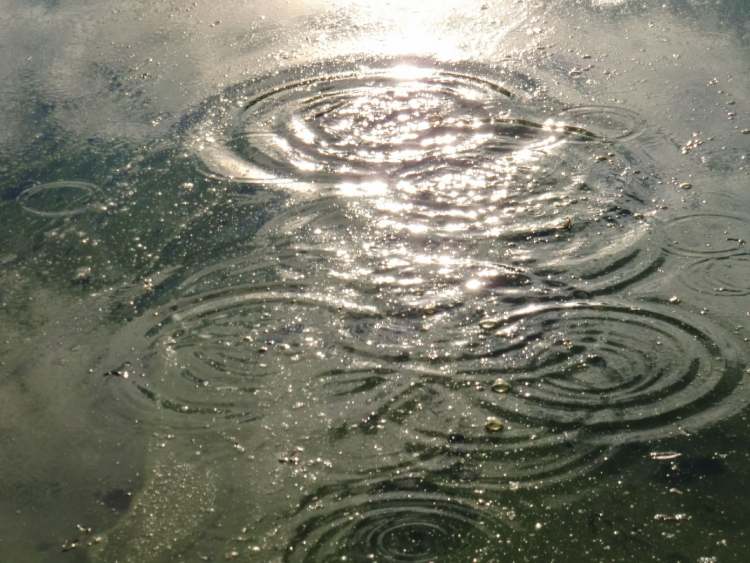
(374, 282)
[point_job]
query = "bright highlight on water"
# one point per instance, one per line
(308, 283)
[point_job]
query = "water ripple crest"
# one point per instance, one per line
(724, 276)
(621, 372)
(218, 358)
(64, 198)
(443, 153)
(398, 524)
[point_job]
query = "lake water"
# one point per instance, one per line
(374, 281)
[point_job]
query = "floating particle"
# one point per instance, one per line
(82, 275)
(692, 144)
(679, 517)
(489, 324)
(500, 385)
(121, 371)
(664, 456)
(493, 424)
(293, 457)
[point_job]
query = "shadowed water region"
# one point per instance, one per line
(349, 282)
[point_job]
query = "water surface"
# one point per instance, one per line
(346, 281)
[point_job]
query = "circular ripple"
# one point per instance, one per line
(398, 526)
(399, 420)
(436, 151)
(413, 276)
(416, 138)
(328, 244)
(331, 128)
(726, 276)
(220, 358)
(703, 234)
(621, 373)
(429, 153)
(606, 123)
(59, 199)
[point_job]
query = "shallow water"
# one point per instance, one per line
(374, 282)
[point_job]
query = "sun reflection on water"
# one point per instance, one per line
(421, 161)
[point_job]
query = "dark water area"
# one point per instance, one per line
(353, 281)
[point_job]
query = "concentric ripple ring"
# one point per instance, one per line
(707, 234)
(64, 198)
(621, 372)
(398, 527)
(423, 151)
(725, 276)
(609, 123)
(214, 358)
